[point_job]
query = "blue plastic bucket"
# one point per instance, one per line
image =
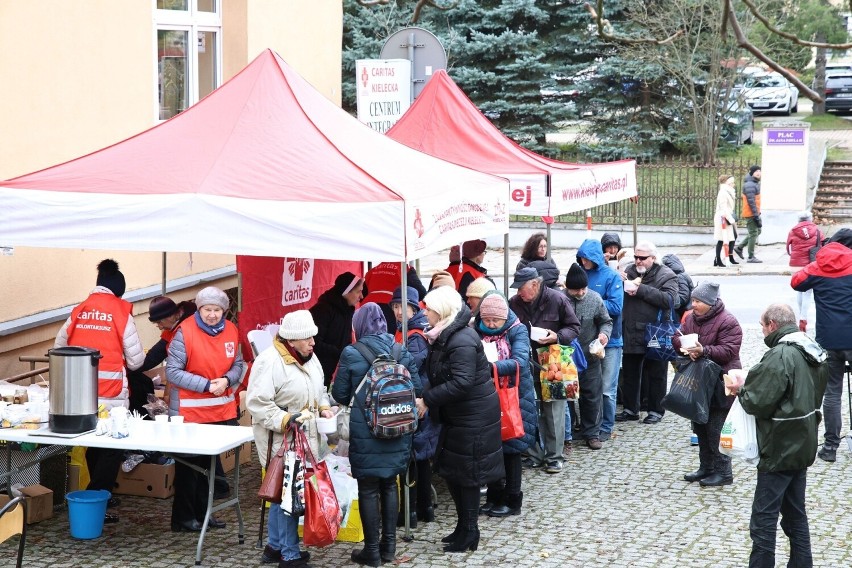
(86, 510)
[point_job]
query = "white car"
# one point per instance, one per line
(771, 93)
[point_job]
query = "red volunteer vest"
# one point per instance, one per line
(397, 337)
(381, 281)
(457, 274)
(209, 357)
(99, 323)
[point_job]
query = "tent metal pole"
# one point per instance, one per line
(163, 286)
(506, 265)
(404, 321)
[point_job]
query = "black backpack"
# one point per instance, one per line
(389, 403)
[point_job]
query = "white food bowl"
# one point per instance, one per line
(327, 425)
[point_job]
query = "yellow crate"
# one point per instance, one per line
(353, 531)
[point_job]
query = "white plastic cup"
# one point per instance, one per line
(161, 424)
(176, 419)
(630, 285)
(689, 340)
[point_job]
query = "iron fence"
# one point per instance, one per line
(674, 191)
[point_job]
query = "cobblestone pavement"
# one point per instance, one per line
(623, 506)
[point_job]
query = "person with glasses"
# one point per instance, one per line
(784, 392)
(649, 288)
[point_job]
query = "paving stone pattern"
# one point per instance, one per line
(623, 506)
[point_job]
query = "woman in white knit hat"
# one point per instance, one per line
(203, 367)
(287, 384)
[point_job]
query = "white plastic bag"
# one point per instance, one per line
(739, 435)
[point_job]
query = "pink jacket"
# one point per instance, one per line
(800, 240)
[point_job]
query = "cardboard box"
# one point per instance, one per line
(73, 478)
(147, 480)
(39, 503)
(228, 458)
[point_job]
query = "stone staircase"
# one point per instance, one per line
(833, 200)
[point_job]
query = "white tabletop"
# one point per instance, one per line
(204, 439)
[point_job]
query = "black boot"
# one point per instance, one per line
(368, 506)
(387, 545)
(512, 506)
(731, 253)
(455, 493)
(425, 508)
(697, 475)
(718, 260)
(493, 499)
(468, 536)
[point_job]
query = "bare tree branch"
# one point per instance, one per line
(743, 42)
(605, 29)
(418, 6)
(792, 37)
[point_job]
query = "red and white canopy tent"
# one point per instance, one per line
(444, 122)
(264, 166)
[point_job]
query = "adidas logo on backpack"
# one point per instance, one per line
(389, 403)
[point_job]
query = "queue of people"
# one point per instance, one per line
(601, 309)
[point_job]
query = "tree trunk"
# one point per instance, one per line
(819, 76)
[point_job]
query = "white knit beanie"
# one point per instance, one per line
(212, 296)
(297, 325)
(479, 287)
(444, 301)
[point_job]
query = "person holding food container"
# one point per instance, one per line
(719, 338)
(595, 329)
(287, 386)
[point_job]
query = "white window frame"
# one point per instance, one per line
(191, 21)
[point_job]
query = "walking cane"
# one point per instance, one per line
(263, 501)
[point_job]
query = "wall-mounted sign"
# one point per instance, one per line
(785, 136)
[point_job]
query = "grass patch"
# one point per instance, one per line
(751, 153)
(820, 122)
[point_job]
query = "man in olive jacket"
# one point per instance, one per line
(655, 291)
(539, 306)
(784, 393)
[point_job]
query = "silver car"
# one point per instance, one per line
(771, 93)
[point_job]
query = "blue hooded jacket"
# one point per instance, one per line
(606, 282)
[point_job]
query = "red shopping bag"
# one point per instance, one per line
(511, 424)
(322, 511)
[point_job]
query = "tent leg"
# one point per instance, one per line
(506, 275)
(163, 286)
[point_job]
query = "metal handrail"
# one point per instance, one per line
(27, 375)
(33, 359)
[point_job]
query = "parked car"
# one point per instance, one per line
(738, 122)
(838, 92)
(771, 93)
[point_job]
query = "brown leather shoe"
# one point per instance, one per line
(594, 444)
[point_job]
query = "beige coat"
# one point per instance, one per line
(724, 210)
(277, 387)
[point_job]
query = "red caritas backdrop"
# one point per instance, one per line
(272, 287)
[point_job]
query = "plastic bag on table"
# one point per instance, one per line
(156, 406)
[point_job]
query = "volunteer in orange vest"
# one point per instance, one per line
(473, 254)
(104, 321)
(203, 367)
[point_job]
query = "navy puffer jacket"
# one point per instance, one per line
(470, 451)
(519, 346)
(426, 437)
(369, 456)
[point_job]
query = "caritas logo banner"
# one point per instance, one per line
(272, 287)
(383, 91)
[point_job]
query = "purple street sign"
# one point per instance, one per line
(785, 137)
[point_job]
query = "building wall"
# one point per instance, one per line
(80, 75)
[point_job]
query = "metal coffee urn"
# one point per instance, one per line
(73, 389)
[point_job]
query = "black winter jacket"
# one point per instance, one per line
(461, 392)
(370, 456)
(550, 310)
(657, 291)
(685, 286)
(333, 317)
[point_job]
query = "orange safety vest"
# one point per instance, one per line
(209, 357)
(747, 212)
(397, 337)
(381, 281)
(457, 274)
(99, 323)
